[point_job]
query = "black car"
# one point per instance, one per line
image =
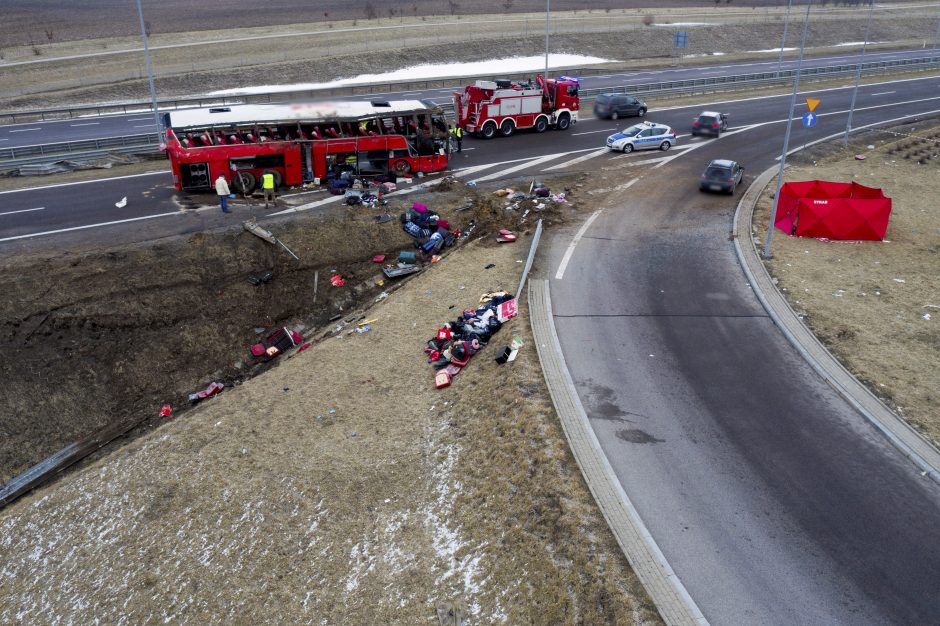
(721, 175)
(617, 105)
(710, 123)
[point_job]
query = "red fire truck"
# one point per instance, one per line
(503, 106)
(303, 142)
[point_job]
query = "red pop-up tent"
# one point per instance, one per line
(819, 208)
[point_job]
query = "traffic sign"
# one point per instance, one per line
(682, 39)
(812, 103)
(809, 119)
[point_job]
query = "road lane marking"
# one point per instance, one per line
(85, 182)
(574, 242)
(145, 126)
(98, 225)
(39, 208)
(85, 124)
(24, 130)
(530, 163)
(883, 93)
(139, 119)
(580, 159)
(591, 132)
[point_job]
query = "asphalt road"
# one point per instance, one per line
(774, 501)
(33, 133)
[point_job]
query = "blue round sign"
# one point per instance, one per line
(809, 119)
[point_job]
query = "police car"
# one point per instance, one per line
(643, 136)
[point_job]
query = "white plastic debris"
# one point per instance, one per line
(121, 203)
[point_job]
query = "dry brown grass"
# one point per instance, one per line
(396, 498)
(869, 302)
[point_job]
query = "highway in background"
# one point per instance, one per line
(98, 127)
(773, 500)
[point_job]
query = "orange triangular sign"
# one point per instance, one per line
(812, 103)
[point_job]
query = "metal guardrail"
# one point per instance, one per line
(14, 157)
(74, 148)
(143, 106)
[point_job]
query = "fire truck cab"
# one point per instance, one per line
(502, 106)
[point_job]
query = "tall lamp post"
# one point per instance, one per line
(858, 72)
(786, 136)
(783, 43)
(153, 92)
(548, 12)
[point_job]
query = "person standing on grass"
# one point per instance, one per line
(267, 185)
(221, 188)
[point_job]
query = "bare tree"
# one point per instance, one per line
(453, 6)
(648, 19)
(50, 34)
(371, 13)
(507, 4)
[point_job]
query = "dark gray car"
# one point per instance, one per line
(710, 123)
(616, 105)
(721, 175)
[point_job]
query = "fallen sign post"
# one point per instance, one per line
(252, 227)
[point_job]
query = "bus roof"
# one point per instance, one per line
(344, 110)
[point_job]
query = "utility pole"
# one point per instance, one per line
(548, 12)
(153, 92)
(783, 43)
(858, 72)
(786, 137)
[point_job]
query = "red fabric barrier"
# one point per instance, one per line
(823, 209)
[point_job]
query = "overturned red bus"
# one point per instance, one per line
(304, 142)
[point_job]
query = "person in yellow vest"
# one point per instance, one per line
(267, 185)
(457, 133)
(363, 128)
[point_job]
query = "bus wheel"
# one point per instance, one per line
(244, 182)
(507, 128)
(541, 124)
(401, 167)
(564, 121)
(489, 130)
(278, 179)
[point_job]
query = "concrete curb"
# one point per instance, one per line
(664, 587)
(907, 440)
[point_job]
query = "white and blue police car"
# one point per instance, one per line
(643, 136)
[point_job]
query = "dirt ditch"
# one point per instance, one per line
(108, 336)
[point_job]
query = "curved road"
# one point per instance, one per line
(772, 499)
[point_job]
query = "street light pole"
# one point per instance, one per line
(858, 73)
(153, 92)
(783, 43)
(786, 137)
(548, 12)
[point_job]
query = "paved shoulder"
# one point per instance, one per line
(664, 587)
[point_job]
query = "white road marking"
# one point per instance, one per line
(99, 225)
(574, 242)
(883, 93)
(85, 124)
(842, 132)
(580, 159)
(24, 130)
(139, 119)
(522, 166)
(145, 126)
(39, 208)
(591, 132)
(85, 182)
